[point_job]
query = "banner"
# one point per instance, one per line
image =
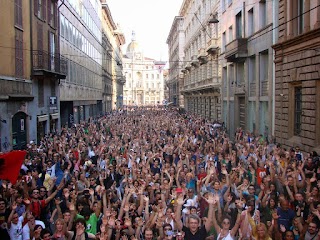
(10, 165)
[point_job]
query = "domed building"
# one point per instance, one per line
(144, 77)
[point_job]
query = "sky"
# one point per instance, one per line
(150, 19)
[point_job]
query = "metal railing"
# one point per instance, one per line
(43, 60)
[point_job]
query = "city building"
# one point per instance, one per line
(108, 26)
(175, 43)
(297, 74)
(15, 74)
(144, 77)
(119, 78)
(30, 71)
(48, 68)
(246, 59)
(81, 43)
(113, 79)
(201, 73)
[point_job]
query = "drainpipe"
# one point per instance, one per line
(275, 10)
(31, 39)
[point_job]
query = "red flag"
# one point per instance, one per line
(10, 165)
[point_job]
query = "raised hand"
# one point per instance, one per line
(126, 208)
(91, 191)
(112, 221)
(127, 222)
(180, 200)
(14, 206)
(104, 220)
(275, 215)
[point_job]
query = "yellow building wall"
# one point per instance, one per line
(7, 39)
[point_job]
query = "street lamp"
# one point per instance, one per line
(213, 18)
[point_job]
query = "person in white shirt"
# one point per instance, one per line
(32, 222)
(15, 223)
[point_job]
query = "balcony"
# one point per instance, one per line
(194, 61)
(47, 64)
(240, 88)
(212, 47)
(122, 80)
(202, 56)
(236, 50)
(188, 67)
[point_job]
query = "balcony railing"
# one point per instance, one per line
(47, 63)
(202, 56)
(212, 46)
(194, 61)
(264, 88)
(236, 50)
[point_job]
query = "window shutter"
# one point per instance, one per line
(55, 15)
(44, 9)
(36, 4)
(49, 12)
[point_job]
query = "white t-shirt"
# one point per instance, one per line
(15, 230)
(26, 230)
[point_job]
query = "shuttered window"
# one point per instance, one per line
(18, 13)
(19, 53)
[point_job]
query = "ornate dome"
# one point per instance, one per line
(133, 47)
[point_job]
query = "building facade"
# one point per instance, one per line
(117, 67)
(144, 77)
(108, 26)
(15, 74)
(48, 68)
(247, 65)
(81, 43)
(201, 73)
(175, 43)
(30, 72)
(297, 84)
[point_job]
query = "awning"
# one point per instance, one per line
(54, 116)
(43, 118)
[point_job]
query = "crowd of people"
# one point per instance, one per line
(159, 174)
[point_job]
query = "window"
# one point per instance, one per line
(297, 110)
(52, 13)
(300, 16)
(19, 53)
(264, 66)
(250, 22)
(223, 5)
(224, 79)
(62, 26)
(40, 37)
(51, 48)
(18, 13)
(252, 69)
(240, 73)
(40, 8)
(230, 34)
(224, 41)
(263, 13)
(238, 25)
